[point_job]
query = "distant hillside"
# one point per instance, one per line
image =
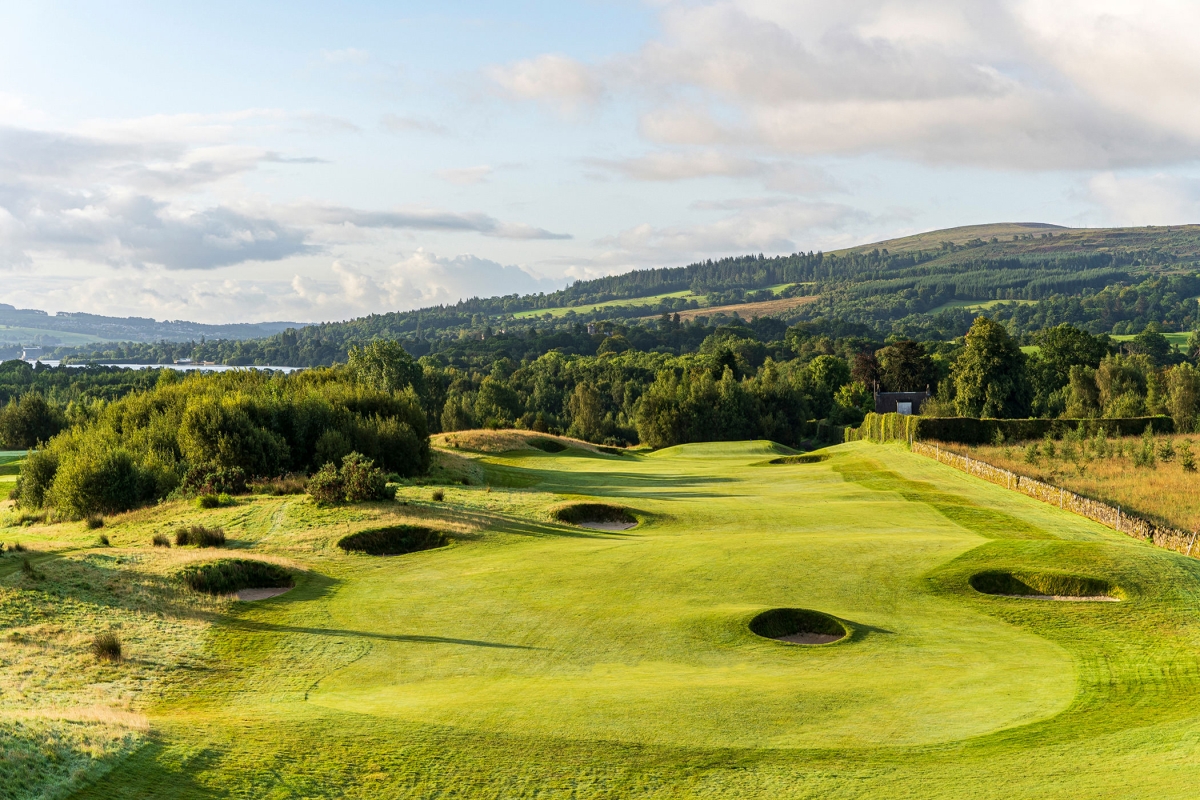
(25, 326)
(927, 286)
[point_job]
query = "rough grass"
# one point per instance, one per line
(393, 541)
(804, 458)
(199, 536)
(1042, 583)
(779, 622)
(1164, 492)
(229, 575)
(107, 646)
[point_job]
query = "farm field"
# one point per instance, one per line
(532, 658)
(20, 335)
(1163, 491)
(10, 465)
(651, 301)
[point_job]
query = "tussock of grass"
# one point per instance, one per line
(160, 540)
(779, 622)
(229, 575)
(278, 487)
(394, 541)
(214, 500)
(580, 513)
(200, 536)
(95, 521)
(107, 647)
(1052, 584)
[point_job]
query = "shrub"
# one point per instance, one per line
(362, 480)
(1186, 459)
(160, 540)
(214, 500)
(206, 480)
(95, 521)
(1031, 453)
(103, 541)
(107, 647)
(101, 479)
(393, 541)
(438, 495)
(37, 474)
(229, 575)
(325, 486)
(199, 536)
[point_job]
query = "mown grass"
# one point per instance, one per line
(1109, 470)
(531, 660)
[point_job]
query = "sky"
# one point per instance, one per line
(243, 162)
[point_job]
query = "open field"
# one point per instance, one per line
(651, 301)
(1179, 339)
(531, 658)
(978, 305)
(1164, 492)
(749, 310)
(10, 466)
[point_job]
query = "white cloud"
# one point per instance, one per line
(669, 166)
(1158, 199)
(554, 79)
(395, 123)
(466, 176)
(1014, 84)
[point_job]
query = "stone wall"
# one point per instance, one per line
(1112, 516)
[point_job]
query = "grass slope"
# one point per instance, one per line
(532, 659)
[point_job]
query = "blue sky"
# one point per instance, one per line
(240, 162)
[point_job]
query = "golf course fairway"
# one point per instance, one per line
(533, 658)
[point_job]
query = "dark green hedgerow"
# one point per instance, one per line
(780, 622)
(229, 575)
(1042, 583)
(394, 541)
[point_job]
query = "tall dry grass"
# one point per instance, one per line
(1115, 471)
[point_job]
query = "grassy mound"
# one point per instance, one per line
(394, 541)
(780, 622)
(806, 458)
(229, 575)
(583, 513)
(1042, 583)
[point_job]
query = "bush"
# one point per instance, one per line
(199, 536)
(107, 647)
(103, 541)
(229, 575)
(438, 495)
(95, 521)
(361, 480)
(214, 500)
(37, 475)
(207, 481)
(393, 541)
(970, 430)
(101, 479)
(325, 486)
(160, 540)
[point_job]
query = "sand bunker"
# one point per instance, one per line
(597, 516)
(1054, 586)
(1065, 598)
(395, 540)
(798, 626)
(805, 458)
(608, 526)
(250, 595)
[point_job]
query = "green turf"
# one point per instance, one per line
(1179, 339)
(630, 302)
(530, 658)
(19, 335)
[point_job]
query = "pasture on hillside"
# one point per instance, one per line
(530, 657)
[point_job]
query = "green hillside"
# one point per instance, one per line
(927, 287)
(530, 658)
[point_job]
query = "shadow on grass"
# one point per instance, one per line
(252, 626)
(151, 773)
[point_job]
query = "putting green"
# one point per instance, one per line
(535, 659)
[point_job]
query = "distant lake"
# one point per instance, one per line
(179, 367)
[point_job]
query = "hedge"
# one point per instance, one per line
(969, 430)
